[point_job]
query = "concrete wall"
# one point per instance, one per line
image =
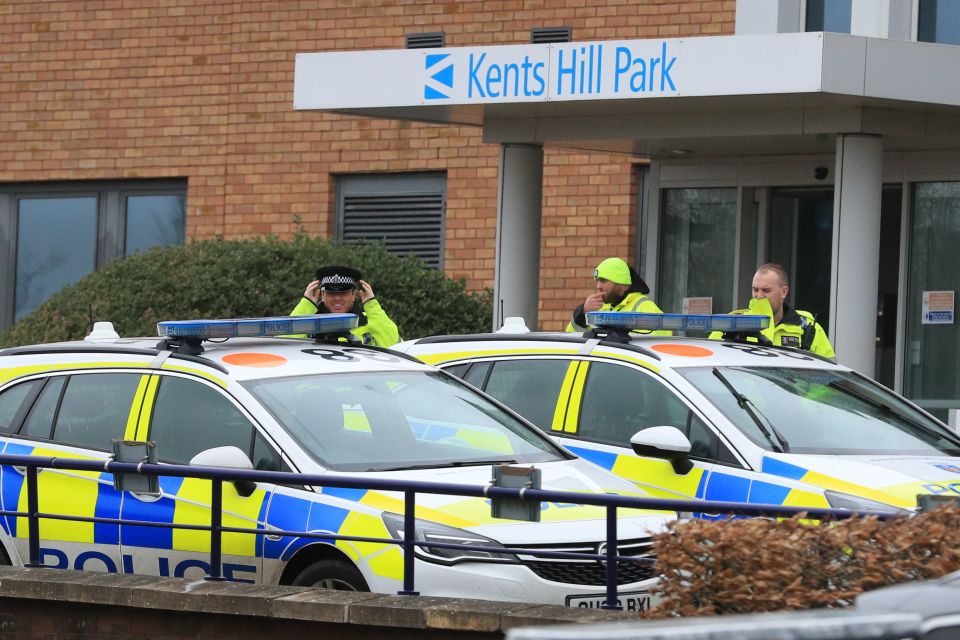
(53, 603)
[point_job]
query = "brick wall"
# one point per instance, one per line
(203, 89)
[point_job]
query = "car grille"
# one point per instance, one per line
(590, 571)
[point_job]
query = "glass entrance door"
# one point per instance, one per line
(801, 238)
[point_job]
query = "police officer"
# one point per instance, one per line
(789, 327)
(335, 291)
(619, 288)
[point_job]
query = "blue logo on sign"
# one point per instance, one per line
(439, 81)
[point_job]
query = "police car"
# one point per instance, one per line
(729, 420)
(205, 394)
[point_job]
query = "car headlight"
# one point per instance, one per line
(425, 531)
(839, 500)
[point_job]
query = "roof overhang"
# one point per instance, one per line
(722, 95)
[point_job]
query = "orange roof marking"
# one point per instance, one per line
(254, 359)
(686, 350)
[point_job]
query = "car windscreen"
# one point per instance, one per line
(383, 421)
(820, 411)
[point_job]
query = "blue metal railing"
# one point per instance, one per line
(409, 488)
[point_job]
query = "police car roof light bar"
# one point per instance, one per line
(636, 321)
(257, 327)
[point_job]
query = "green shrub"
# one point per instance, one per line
(247, 278)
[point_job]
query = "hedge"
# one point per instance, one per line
(247, 278)
(758, 565)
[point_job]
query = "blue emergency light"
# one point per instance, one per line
(258, 327)
(636, 321)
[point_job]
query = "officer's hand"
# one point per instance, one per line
(313, 292)
(366, 291)
(593, 302)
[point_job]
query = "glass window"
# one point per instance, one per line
(477, 375)
(618, 401)
(458, 370)
(829, 15)
(94, 409)
(211, 421)
(64, 230)
(820, 412)
(698, 236)
(931, 373)
(398, 420)
(14, 402)
(529, 387)
(39, 423)
(56, 246)
(939, 21)
(154, 220)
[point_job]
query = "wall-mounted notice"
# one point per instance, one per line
(698, 306)
(937, 307)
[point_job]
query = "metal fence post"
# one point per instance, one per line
(612, 601)
(409, 536)
(33, 519)
(216, 526)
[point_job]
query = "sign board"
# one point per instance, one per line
(563, 71)
(698, 306)
(937, 307)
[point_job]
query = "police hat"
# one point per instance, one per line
(337, 278)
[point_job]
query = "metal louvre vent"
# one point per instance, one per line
(593, 572)
(408, 224)
(543, 35)
(426, 40)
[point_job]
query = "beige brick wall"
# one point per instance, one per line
(203, 89)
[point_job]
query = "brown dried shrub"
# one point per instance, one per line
(755, 565)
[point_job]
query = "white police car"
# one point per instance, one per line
(304, 406)
(719, 420)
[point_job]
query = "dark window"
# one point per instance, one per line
(529, 387)
(829, 15)
(14, 402)
(212, 420)
(939, 21)
(458, 370)
(477, 375)
(618, 401)
(39, 423)
(94, 409)
(404, 211)
(55, 233)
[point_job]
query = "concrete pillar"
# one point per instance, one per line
(856, 250)
(516, 280)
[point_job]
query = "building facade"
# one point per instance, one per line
(128, 124)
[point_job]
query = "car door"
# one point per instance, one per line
(69, 416)
(594, 407)
(184, 416)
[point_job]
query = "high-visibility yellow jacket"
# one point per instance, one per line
(796, 329)
(376, 328)
(634, 301)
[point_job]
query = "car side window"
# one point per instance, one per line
(529, 387)
(190, 417)
(618, 401)
(39, 423)
(477, 374)
(458, 369)
(94, 408)
(14, 402)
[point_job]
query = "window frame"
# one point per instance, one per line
(111, 197)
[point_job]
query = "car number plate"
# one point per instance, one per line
(638, 601)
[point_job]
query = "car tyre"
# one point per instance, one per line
(332, 574)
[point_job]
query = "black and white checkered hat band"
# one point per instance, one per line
(338, 279)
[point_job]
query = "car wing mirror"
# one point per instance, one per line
(229, 457)
(664, 442)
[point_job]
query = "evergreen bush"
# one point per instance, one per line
(247, 278)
